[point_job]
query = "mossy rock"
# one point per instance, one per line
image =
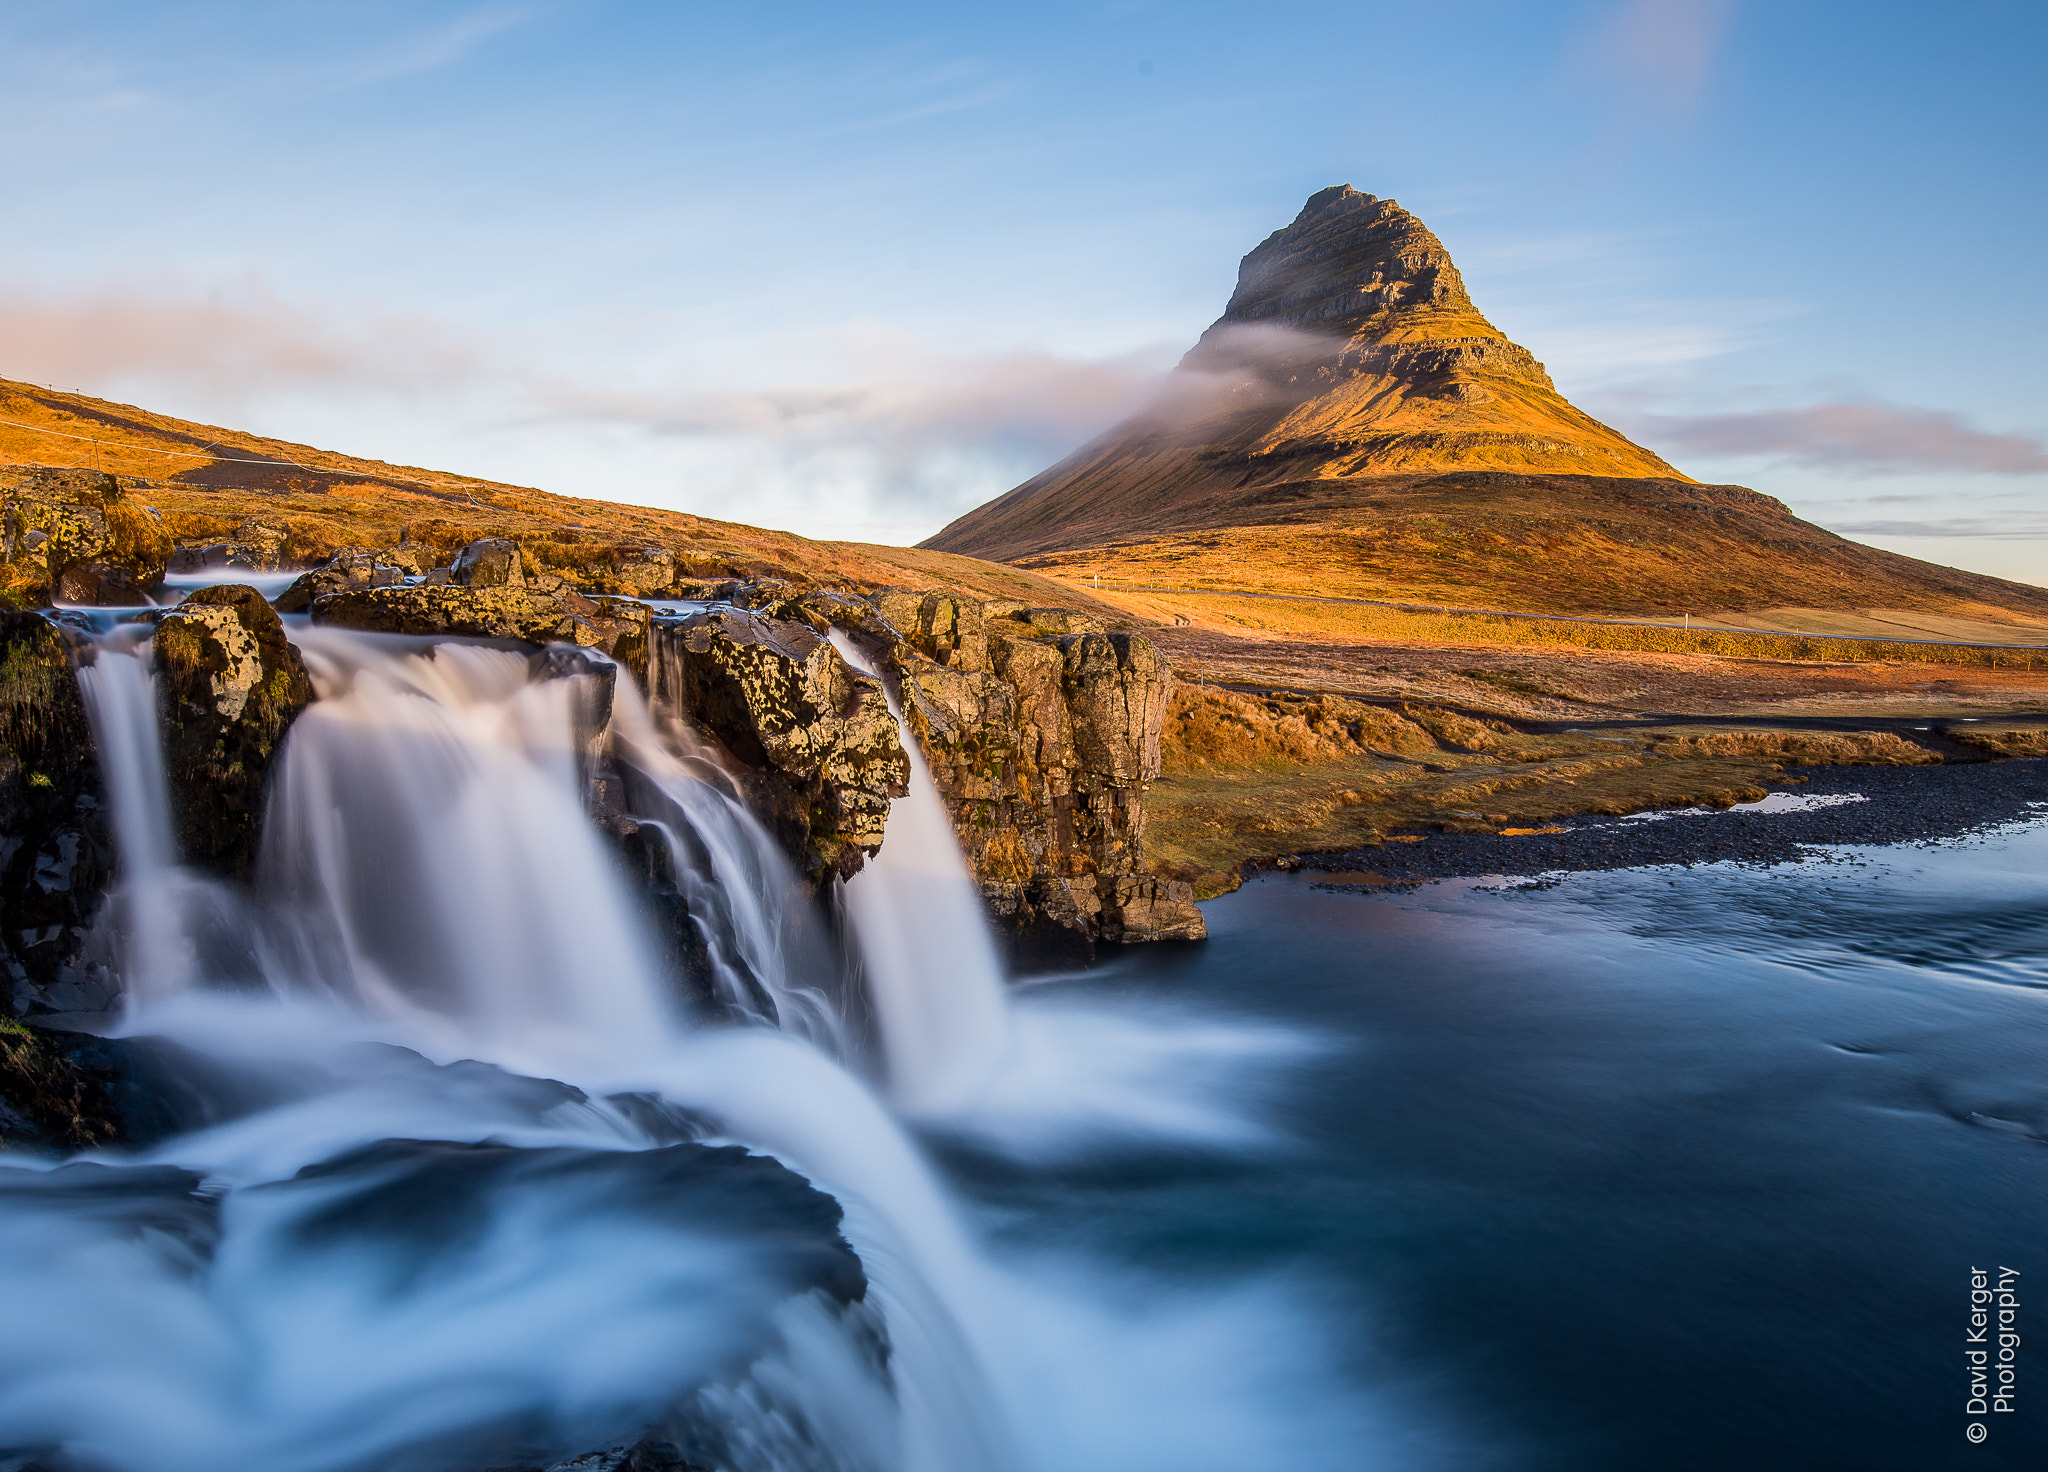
(230, 685)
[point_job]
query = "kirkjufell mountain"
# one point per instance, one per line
(1353, 424)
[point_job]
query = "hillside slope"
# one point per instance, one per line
(1353, 425)
(205, 480)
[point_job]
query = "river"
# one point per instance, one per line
(1641, 1169)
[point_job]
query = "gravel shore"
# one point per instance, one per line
(1835, 805)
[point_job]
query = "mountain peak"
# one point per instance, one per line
(1350, 350)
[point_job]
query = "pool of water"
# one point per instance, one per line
(1653, 1169)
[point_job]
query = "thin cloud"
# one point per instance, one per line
(231, 344)
(2001, 528)
(905, 420)
(1870, 439)
(443, 46)
(1658, 54)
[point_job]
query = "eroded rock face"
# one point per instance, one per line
(1041, 736)
(817, 736)
(229, 686)
(56, 849)
(1043, 749)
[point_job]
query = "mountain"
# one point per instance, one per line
(1353, 425)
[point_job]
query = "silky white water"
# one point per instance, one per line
(932, 969)
(441, 946)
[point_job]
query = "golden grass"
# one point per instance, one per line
(1275, 616)
(201, 479)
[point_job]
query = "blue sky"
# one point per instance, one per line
(852, 270)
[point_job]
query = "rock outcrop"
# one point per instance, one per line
(230, 685)
(1041, 735)
(76, 536)
(258, 544)
(347, 571)
(814, 736)
(56, 848)
(506, 611)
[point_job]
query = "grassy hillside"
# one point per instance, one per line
(206, 480)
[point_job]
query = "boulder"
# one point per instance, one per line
(257, 545)
(483, 613)
(644, 572)
(230, 685)
(78, 537)
(492, 562)
(816, 736)
(346, 571)
(56, 847)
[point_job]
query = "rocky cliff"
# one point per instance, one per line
(1040, 729)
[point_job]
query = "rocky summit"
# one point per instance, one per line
(1350, 348)
(1358, 428)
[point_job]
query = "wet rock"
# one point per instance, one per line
(490, 563)
(56, 848)
(257, 545)
(1041, 731)
(1044, 760)
(616, 626)
(230, 686)
(817, 736)
(483, 613)
(348, 570)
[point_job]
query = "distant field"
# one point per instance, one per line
(1231, 611)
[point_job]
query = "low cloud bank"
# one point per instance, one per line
(1871, 439)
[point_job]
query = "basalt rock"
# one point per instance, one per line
(1043, 747)
(56, 848)
(815, 738)
(560, 615)
(490, 563)
(230, 686)
(257, 545)
(78, 537)
(347, 571)
(1042, 736)
(481, 613)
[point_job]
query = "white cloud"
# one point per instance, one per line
(1863, 438)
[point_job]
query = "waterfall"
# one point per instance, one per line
(427, 856)
(430, 1217)
(768, 958)
(155, 902)
(930, 963)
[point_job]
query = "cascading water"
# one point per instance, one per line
(160, 909)
(930, 962)
(430, 1213)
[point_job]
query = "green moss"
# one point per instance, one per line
(64, 1101)
(36, 686)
